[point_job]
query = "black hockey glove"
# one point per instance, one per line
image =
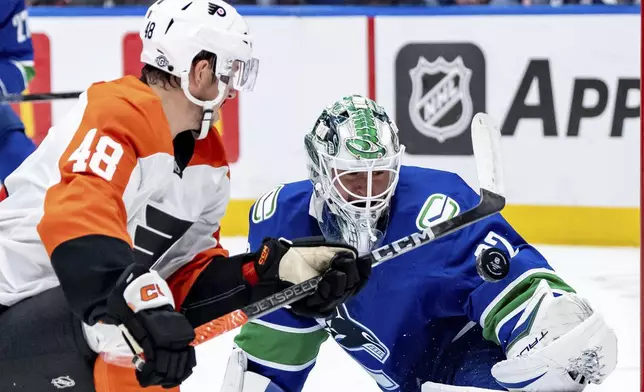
(143, 303)
(280, 263)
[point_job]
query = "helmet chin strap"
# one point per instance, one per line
(210, 108)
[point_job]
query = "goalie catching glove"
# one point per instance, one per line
(559, 344)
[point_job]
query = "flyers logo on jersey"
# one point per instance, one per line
(150, 292)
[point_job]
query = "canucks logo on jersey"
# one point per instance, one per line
(354, 336)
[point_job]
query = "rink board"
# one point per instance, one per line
(563, 84)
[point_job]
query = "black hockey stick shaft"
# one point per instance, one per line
(485, 138)
(17, 98)
(486, 144)
(490, 204)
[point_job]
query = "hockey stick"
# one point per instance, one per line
(16, 98)
(485, 140)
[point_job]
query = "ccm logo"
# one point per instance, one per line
(150, 292)
(263, 256)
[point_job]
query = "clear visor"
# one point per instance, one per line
(244, 74)
(230, 60)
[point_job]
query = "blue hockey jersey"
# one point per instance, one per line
(16, 50)
(16, 71)
(423, 316)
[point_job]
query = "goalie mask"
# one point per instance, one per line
(354, 163)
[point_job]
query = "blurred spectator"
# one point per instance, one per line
(112, 3)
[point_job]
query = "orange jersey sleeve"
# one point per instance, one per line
(97, 165)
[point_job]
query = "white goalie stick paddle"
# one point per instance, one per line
(486, 142)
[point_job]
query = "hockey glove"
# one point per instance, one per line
(281, 263)
(142, 302)
(559, 344)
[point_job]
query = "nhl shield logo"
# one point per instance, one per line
(441, 108)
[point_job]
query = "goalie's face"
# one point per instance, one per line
(357, 194)
(361, 187)
(358, 188)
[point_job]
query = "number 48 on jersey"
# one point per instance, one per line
(101, 161)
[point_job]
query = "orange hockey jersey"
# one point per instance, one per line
(109, 169)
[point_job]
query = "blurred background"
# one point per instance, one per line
(112, 3)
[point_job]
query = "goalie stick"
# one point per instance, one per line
(486, 144)
(17, 98)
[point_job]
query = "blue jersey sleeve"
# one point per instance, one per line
(497, 306)
(16, 49)
(280, 345)
(10, 8)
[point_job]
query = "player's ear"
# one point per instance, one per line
(203, 75)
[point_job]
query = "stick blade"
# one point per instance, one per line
(486, 141)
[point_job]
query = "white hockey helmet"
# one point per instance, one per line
(354, 163)
(175, 31)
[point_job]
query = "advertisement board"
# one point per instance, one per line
(563, 86)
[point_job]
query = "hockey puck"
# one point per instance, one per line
(492, 265)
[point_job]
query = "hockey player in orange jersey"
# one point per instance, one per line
(126, 191)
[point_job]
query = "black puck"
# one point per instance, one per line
(493, 265)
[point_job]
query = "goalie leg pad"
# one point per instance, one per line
(564, 344)
(238, 379)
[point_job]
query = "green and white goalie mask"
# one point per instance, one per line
(354, 163)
